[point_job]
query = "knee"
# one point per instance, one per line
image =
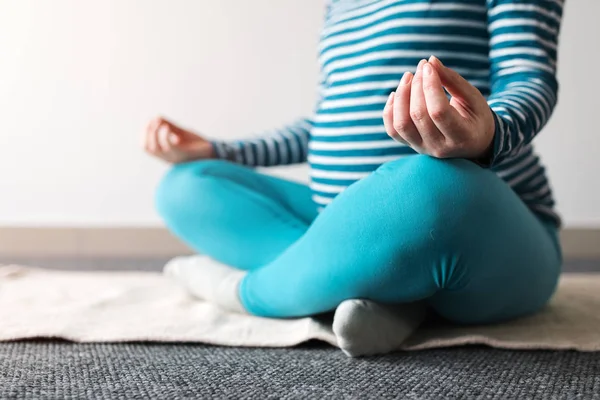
(174, 189)
(428, 170)
(445, 183)
(430, 184)
(436, 196)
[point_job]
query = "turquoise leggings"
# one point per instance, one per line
(445, 231)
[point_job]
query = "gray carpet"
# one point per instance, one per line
(68, 371)
(59, 370)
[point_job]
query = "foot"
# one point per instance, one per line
(208, 280)
(365, 328)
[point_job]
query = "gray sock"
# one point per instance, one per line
(365, 328)
(208, 280)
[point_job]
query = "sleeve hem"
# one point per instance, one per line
(223, 151)
(498, 141)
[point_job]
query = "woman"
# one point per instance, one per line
(442, 200)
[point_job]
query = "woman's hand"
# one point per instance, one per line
(173, 144)
(420, 115)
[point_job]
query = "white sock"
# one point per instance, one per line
(208, 280)
(362, 327)
(365, 328)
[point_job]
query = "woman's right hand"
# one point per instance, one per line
(175, 145)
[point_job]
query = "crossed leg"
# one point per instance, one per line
(445, 232)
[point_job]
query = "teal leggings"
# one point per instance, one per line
(445, 231)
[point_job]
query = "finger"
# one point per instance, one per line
(430, 134)
(455, 84)
(445, 117)
(163, 132)
(402, 123)
(178, 134)
(144, 137)
(388, 116)
(151, 145)
(420, 65)
(388, 119)
(176, 129)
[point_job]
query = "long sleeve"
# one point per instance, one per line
(288, 145)
(523, 53)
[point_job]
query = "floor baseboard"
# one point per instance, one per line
(89, 242)
(158, 242)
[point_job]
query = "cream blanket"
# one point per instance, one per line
(138, 306)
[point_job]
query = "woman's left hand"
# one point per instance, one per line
(420, 115)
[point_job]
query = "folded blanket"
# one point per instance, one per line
(138, 306)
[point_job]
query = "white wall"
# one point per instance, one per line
(79, 80)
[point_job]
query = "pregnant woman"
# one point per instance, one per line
(424, 187)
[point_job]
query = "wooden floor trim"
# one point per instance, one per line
(158, 242)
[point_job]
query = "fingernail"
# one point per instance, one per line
(421, 63)
(427, 70)
(406, 78)
(434, 58)
(390, 97)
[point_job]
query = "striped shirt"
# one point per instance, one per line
(505, 48)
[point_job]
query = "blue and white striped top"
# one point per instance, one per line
(505, 48)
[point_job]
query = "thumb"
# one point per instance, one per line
(456, 85)
(185, 135)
